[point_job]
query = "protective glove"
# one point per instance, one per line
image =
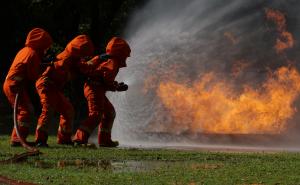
(122, 87)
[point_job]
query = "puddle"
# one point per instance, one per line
(115, 166)
(124, 166)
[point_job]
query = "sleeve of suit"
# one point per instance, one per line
(33, 67)
(87, 67)
(109, 71)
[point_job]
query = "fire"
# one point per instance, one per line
(284, 42)
(277, 17)
(212, 106)
(156, 67)
(285, 39)
(216, 104)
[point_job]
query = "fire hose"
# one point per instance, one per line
(30, 150)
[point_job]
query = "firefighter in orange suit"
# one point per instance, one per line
(25, 68)
(50, 89)
(102, 79)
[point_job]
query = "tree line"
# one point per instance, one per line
(63, 19)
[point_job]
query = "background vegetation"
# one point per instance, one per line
(63, 19)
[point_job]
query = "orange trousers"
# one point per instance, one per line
(24, 109)
(101, 112)
(53, 100)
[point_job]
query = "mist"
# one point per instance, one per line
(182, 40)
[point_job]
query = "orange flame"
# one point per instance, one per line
(284, 42)
(277, 17)
(159, 72)
(285, 39)
(211, 106)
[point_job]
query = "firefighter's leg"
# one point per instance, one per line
(41, 133)
(66, 111)
(95, 99)
(105, 127)
(25, 109)
(48, 99)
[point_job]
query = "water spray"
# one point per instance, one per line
(213, 56)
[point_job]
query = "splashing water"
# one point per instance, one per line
(209, 66)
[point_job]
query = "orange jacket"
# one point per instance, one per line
(118, 50)
(69, 62)
(26, 65)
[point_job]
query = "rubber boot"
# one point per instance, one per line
(64, 138)
(41, 138)
(104, 140)
(80, 137)
(14, 139)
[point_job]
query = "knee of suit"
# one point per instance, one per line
(96, 116)
(23, 111)
(68, 112)
(42, 127)
(47, 110)
(24, 116)
(111, 115)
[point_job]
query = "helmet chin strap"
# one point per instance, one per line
(24, 144)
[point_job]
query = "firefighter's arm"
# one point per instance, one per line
(90, 66)
(33, 69)
(87, 67)
(109, 71)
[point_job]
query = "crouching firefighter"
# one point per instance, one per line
(101, 80)
(24, 69)
(50, 88)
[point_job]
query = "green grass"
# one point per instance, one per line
(68, 165)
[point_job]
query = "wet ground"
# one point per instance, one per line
(145, 159)
(114, 166)
(121, 166)
(219, 142)
(215, 147)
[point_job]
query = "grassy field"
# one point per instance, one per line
(69, 165)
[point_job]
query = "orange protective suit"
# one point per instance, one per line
(102, 79)
(50, 88)
(25, 68)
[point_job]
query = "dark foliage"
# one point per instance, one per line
(63, 19)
